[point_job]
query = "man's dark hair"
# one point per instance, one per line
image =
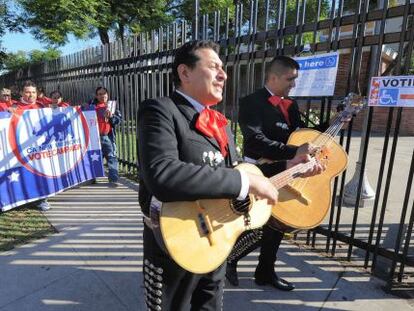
(101, 88)
(186, 55)
(28, 83)
(281, 64)
(55, 92)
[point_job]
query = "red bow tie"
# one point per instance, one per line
(283, 105)
(213, 124)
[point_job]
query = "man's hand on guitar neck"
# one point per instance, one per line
(262, 188)
(316, 169)
(305, 149)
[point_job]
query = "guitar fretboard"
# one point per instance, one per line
(282, 179)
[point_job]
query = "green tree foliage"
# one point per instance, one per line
(14, 61)
(8, 22)
(21, 59)
(52, 21)
(38, 56)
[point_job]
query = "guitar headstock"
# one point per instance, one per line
(352, 104)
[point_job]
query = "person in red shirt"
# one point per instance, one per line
(3, 107)
(106, 123)
(28, 101)
(42, 99)
(28, 98)
(6, 100)
(56, 100)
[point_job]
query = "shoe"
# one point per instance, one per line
(274, 281)
(43, 206)
(112, 184)
(231, 275)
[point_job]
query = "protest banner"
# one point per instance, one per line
(45, 151)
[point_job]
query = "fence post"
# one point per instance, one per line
(196, 19)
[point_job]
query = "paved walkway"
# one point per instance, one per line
(95, 263)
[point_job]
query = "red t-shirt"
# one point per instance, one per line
(61, 104)
(3, 106)
(45, 101)
(103, 124)
(22, 105)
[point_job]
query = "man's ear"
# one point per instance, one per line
(272, 77)
(183, 73)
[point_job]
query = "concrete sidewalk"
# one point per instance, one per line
(95, 263)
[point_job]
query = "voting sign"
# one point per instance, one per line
(392, 91)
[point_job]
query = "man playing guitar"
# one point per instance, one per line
(267, 118)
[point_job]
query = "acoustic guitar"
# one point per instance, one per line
(199, 235)
(304, 203)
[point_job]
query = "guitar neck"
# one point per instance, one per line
(335, 126)
(282, 179)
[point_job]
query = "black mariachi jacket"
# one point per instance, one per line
(265, 129)
(177, 162)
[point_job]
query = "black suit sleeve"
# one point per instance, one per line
(255, 141)
(166, 176)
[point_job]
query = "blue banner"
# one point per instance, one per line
(322, 62)
(45, 151)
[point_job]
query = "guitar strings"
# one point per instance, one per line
(324, 139)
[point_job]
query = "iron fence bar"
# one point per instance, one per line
(410, 224)
(342, 188)
(388, 128)
(300, 22)
(386, 188)
(265, 45)
(395, 138)
(398, 240)
(334, 201)
(386, 253)
(354, 86)
(196, 19)
(379, 183)
(225, 58)
(409, 231)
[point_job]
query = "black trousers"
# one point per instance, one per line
(169, 287)
(269, 241)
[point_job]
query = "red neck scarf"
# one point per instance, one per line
(283, 105)
(213, 124)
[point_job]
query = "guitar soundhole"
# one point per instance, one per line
(241, 207)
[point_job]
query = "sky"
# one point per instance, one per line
(13, 42)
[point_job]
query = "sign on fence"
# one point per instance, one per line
(44, 151)
(317, 75)
(392, 91)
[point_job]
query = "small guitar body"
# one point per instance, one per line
(199, 235)
(304, 203)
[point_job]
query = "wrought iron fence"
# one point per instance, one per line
(372, 37)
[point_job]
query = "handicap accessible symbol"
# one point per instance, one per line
(388, 97)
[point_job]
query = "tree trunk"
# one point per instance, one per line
(121, 36)
(103, 35)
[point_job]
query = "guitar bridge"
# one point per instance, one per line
(205, 224)
(299, 194)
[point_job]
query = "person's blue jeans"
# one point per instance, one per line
(109, 153)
